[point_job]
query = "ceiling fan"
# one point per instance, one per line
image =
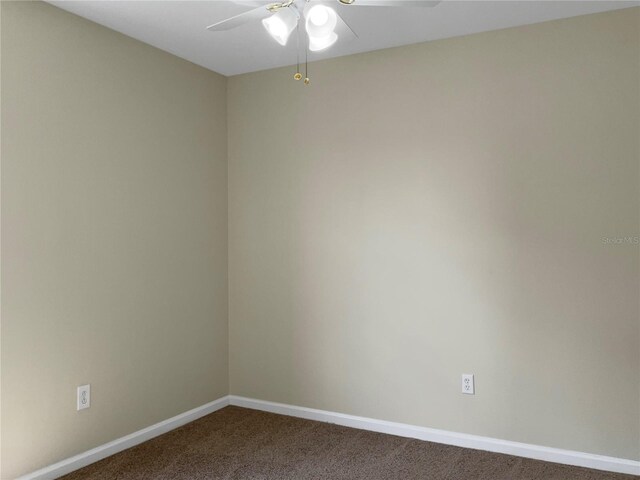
(320, 20)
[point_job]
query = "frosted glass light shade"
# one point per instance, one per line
(320, 21)
(281, 24)
(320, 43)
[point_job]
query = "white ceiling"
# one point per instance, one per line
(179, 26)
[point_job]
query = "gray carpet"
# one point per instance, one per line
(236, 443)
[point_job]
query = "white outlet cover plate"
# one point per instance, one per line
(83, 397)
(468, 384)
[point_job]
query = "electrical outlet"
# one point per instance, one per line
(84, 397)
(468, 385)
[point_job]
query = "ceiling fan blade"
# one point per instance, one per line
(256, 14)
(392, 3)
(250, 3)
(345, 30)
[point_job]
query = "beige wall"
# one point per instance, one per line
(436, 209)
(114, 235)
(415, 214)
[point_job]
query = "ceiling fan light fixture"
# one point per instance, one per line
(281, 24)
(320, 21)
(317, 44)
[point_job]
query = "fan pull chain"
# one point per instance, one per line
(306, 65)
(298, 75)
(306, 58)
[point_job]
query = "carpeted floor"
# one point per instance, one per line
(236, 443)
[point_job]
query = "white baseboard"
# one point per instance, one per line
(90, 456)
(548, 454)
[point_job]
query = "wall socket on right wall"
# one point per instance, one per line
(468, 384)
